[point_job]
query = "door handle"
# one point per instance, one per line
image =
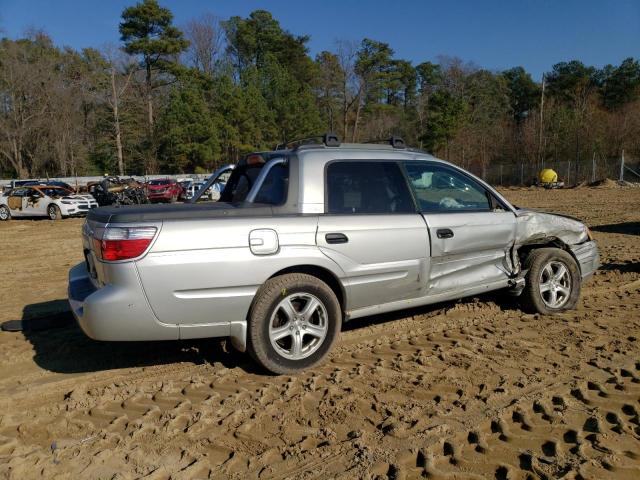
(336, 238)
(444, 233)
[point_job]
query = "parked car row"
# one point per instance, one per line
(170, 191)
(55, 199)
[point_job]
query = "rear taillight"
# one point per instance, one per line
(123, 243)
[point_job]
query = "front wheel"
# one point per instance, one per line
(54, 212)
(552, 283)
(293, 324)
(5, 213)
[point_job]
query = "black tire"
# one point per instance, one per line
(267, 300)
(533, 299)
(54, 213)
(5, 213)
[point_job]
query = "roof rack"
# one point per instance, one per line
(328, 139)
(394, 141)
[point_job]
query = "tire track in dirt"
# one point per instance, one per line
(409, 359)
(464, 389)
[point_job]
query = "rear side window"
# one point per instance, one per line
(363, 187)
(439, 188)
(273, 190)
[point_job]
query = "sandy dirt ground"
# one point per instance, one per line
(470, 389)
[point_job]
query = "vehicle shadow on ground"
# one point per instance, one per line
(622, 267)
(629, 228)
(60, 346)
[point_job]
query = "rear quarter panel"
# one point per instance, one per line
(204, 273)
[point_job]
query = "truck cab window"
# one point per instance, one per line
(274, 188)
(367, 188)
(239, 183)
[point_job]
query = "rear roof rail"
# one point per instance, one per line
(394, 141)
(328, 139)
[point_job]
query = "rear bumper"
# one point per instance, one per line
(115, 312)
(588, 257)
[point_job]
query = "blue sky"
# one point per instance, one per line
(495, 34)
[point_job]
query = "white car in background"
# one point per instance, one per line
(212, 193)
(44, 201)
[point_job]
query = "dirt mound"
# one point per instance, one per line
(467, 389)
(606, 183)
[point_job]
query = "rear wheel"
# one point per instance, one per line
(293, 324)
(5, 213)
(553, 281)
(54, 212)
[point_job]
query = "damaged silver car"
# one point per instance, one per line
(306, 238)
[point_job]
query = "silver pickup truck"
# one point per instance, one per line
(305, 238)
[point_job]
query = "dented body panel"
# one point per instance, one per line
(539, 227)
(478, 251)
(200, 275)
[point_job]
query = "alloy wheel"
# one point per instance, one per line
(298, 326)
(555, 284)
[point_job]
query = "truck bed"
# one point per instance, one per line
(177, 211)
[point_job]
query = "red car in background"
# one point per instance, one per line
(163, 190)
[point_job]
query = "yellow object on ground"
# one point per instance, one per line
(548, 176)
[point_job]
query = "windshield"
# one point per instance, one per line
(159, 182)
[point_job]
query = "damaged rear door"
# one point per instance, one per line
(471, 232)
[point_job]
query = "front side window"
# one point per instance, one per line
(363, 187)
(439, 188)
(273, 190)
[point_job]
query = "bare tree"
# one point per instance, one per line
(207, 42)
(24, 86)
(347, 52)
(120, 68)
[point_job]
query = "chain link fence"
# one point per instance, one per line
(511, 174)
(569, 172)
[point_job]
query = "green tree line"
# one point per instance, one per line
(186, 99)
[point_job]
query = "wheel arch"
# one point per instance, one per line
(322, 273)
(548, 242)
